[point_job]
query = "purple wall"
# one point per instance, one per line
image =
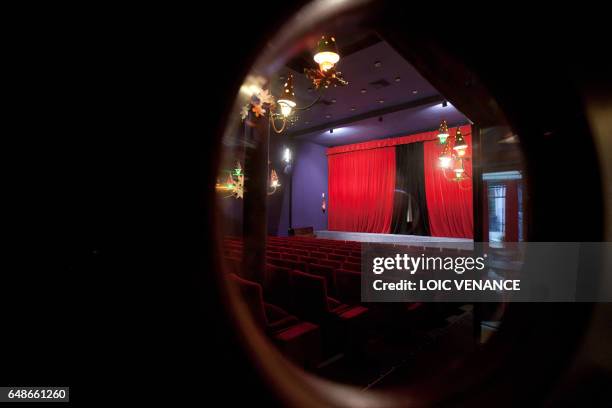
(309, 181)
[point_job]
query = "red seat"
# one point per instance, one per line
(325, 272)
(301, 343)
(276, 285)
(332, 264)
(318, 254)
(343, 326)
(299, 265)
(348, 286)
(351, 266)
(335, 257)
(273, 254)
(289, 257)
(353, 259)
(280, 262)
(300, 252)
(309, 259)
(271, 318)
(310, 300)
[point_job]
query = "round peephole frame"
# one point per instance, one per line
(529, 354)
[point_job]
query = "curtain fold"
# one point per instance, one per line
(449, 203)
(361, 186)
(410, 215)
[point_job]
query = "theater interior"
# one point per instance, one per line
(363, 135)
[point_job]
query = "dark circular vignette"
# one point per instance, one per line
(530, 356)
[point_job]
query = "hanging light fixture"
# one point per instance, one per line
(453, 155)
(262, 103)
(446, 157)
(286, 101)
(326, 54)
(460, 144)
(458, 168)
(443, 132)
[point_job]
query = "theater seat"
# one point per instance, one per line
(351, 266)
(353, 259)
(335, 257)
(271, 318)
(318, 254)
(311, 302)
(300, 252)
(348, 286)
(280, 262)
(308, 259)
(289, 257)
(298, 265)
(276, 284)
(331, 264)
(273, 254)
(325, 272)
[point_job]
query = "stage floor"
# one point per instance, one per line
(397, 239)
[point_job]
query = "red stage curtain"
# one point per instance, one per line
(511, 226)
(449, 205)
(394, 141)
(361, 190)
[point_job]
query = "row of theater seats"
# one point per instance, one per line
(309, 305)
(338, 262)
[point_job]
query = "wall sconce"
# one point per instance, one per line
(287, 155)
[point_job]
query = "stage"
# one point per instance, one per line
(438, 242)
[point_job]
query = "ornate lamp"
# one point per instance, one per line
(446, 157)
(443, 132)
(460, 144)
(326, 54)
(262, 103)
(453, 155)
(286, 101)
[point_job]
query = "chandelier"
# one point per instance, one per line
(282, 110)
(327, 57)
(453, 154)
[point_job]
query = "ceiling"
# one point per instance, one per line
(382, 84)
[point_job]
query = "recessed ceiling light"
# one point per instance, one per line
(333, 100)
(414, 92)
(363, 91)
(327, 116)
(377, 64)
(353, 108)
(381, 101)
(397, 79)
